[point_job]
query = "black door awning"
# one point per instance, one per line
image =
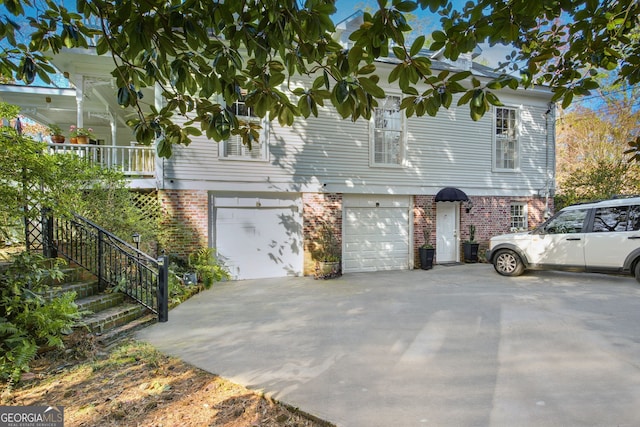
(451, 194)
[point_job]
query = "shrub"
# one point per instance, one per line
(208, 267)
(31, 315)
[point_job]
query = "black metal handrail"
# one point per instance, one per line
(115, 262)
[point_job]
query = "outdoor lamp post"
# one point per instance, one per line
(136, 239)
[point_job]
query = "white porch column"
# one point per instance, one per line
(114, 130)
(79, 101)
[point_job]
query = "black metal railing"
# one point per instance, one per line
(116, 263)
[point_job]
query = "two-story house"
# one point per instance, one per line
(379, 184)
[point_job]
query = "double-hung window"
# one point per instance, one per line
(233, 148)
(519, 217)
(506, 145)
(388, 136)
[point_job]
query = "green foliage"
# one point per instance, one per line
(326, 246)
(208, 267)
(54, 129)
(603, 180)
(592, 158)
(472, 233)
(64, 183)
(427, 236)
(110, 195)
(200, 50)
(31, 315)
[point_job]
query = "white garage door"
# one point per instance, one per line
(258, 237)
(376, 233)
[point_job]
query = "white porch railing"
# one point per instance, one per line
(132, 161)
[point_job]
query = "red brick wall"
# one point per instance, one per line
(319, 209)
(490, 215)
(185, 221)
(424, 219)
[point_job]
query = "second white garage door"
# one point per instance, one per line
(258, 237)
(376, 233)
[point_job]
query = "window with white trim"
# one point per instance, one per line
(506, 146)
(388, 137)
(519, 217)
(233, 148)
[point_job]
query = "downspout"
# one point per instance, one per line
(160, 164)
(549, 171)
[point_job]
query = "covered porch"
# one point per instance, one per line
(138, 163)
(83, 95)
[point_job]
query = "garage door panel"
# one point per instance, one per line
(375, 238)
(259, 242)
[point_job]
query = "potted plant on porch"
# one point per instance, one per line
(471, 246)
(426, 251)
(55, 132)
(80, 135)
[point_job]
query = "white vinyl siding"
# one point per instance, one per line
(233, 148)
(331, 154)
(388, 139)
(506, 147)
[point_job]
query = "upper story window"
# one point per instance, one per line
(233, 148)
(506, 146)
(519, 217)
(388, 136)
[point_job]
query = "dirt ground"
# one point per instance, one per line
(133, 384)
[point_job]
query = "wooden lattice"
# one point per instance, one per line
(147, 202)
(34, 238)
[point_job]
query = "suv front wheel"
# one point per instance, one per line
(637, 270)
(508, 263)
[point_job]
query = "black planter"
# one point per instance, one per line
(471, 252)
(426, 258)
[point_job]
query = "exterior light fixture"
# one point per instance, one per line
(136, 239)
(468, 206)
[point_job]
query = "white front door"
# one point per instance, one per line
(447, 232)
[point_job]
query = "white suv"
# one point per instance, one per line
(597, 237)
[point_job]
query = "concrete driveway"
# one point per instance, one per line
(452, 346)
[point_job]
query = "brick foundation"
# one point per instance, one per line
(492, 216)
(185, 219)
(424, 223)
(319, 209)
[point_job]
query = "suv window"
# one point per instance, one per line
(566, 222)
(634, 218)
(613, 218)
(617, 218)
